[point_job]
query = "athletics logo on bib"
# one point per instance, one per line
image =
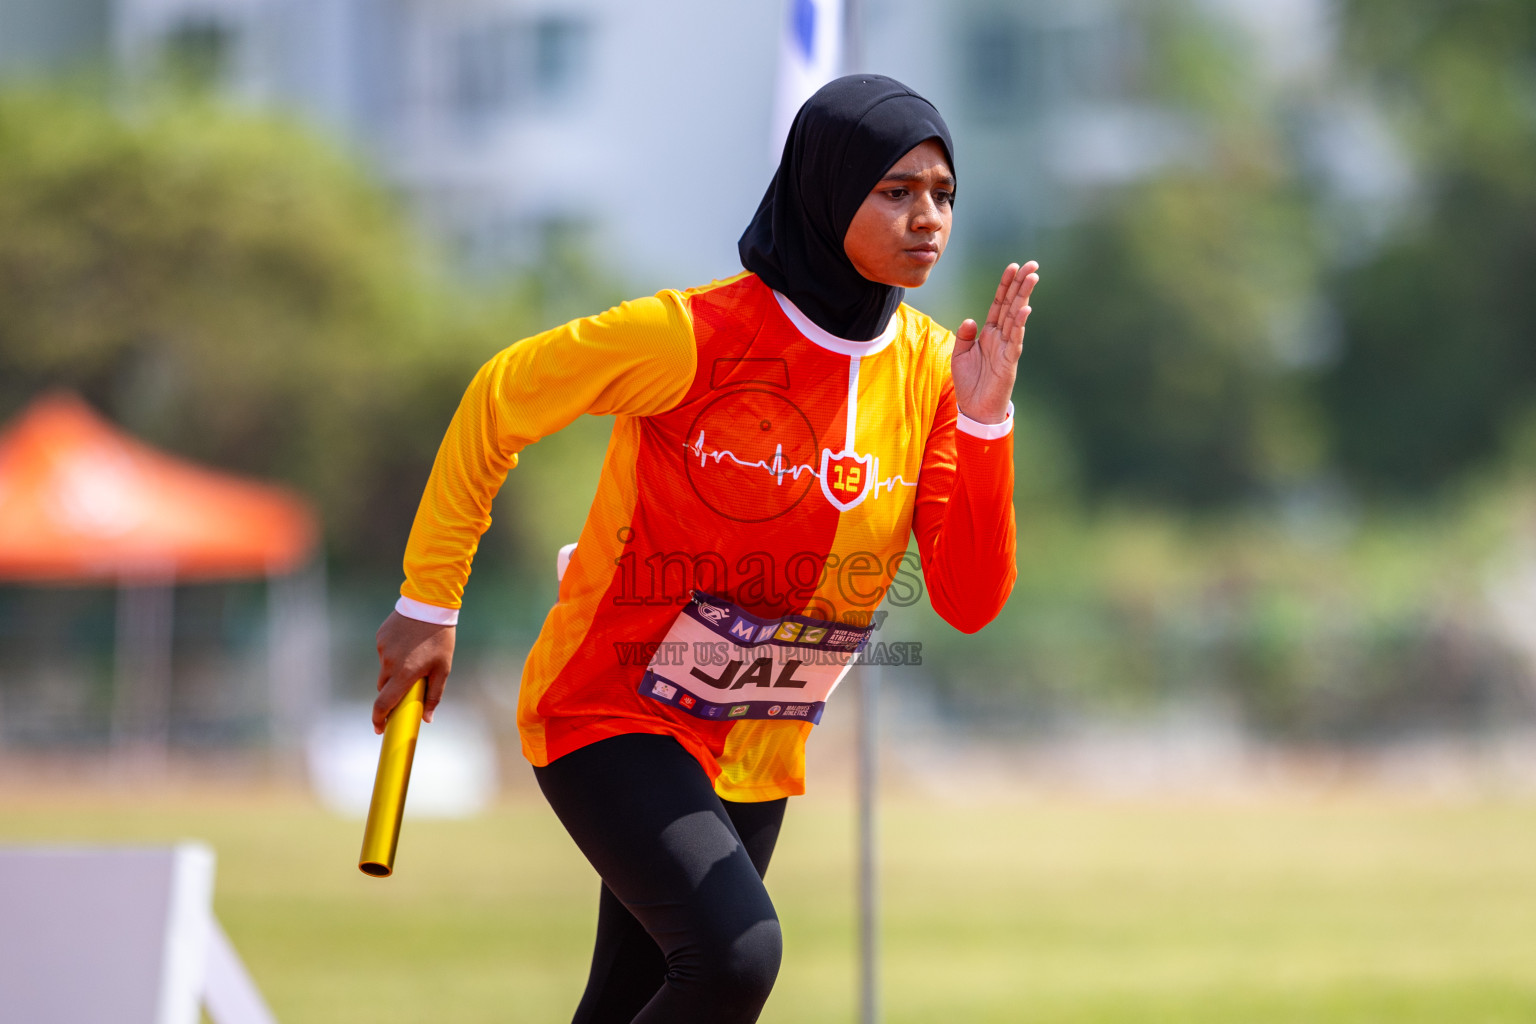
(736, 665)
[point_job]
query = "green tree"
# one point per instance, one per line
(1157, 342)
(1170, 309)
(1438, 366)
(231, 288)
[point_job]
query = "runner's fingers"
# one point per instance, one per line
(966, 338)
(1030, 280)
(1020, 287)
(1018, 296)
(435, 684)
(1015, 284)
(1000, 298)
(388, 697)
(1017, 341)
(1002, 285)
(1012, 326)
(1010, 336)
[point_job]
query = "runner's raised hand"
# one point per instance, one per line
(986, 360)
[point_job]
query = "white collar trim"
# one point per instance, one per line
(832, 342)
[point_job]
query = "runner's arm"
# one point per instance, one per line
(964, 519)
(636, 359)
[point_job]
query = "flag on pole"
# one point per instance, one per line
(810, 56)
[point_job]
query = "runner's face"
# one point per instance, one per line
(903, 224)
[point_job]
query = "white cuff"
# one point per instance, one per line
(427, 612)
(985, 431)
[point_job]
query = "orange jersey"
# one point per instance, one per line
(754, 457)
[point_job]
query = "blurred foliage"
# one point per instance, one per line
(229, 288)
(1277, 445)
(1172, 306)
(1156, 343)
(1316, 625)
(1438, 367)
(1207, 336)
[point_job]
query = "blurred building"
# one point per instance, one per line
(640, 130)
(1043, 98)
(509, 124)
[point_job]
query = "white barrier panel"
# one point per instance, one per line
(125, 935)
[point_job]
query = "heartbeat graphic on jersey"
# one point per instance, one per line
(779, 467)
(846, 477)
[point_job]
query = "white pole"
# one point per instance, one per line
(853, 37)
(869, 697)
(812, 50)
(298, 651)
(141, 699)
(869, 904)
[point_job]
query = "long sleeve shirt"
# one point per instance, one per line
(754, 457)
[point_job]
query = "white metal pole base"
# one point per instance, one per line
(869, 896)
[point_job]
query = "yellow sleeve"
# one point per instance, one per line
(636, 359)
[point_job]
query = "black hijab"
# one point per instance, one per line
(841, 143)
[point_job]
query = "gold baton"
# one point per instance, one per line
(382, 833)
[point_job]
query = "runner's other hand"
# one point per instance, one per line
(985, 361)
(408, 650)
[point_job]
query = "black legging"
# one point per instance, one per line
(686, 933)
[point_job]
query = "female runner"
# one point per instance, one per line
(778, 436)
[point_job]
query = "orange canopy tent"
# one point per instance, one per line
(82, 502)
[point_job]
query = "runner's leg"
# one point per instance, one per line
(758, 826)
(627, 966)
(686, 929)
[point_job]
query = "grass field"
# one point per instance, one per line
(1355, 908)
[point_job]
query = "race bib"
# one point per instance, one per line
(719, 662)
